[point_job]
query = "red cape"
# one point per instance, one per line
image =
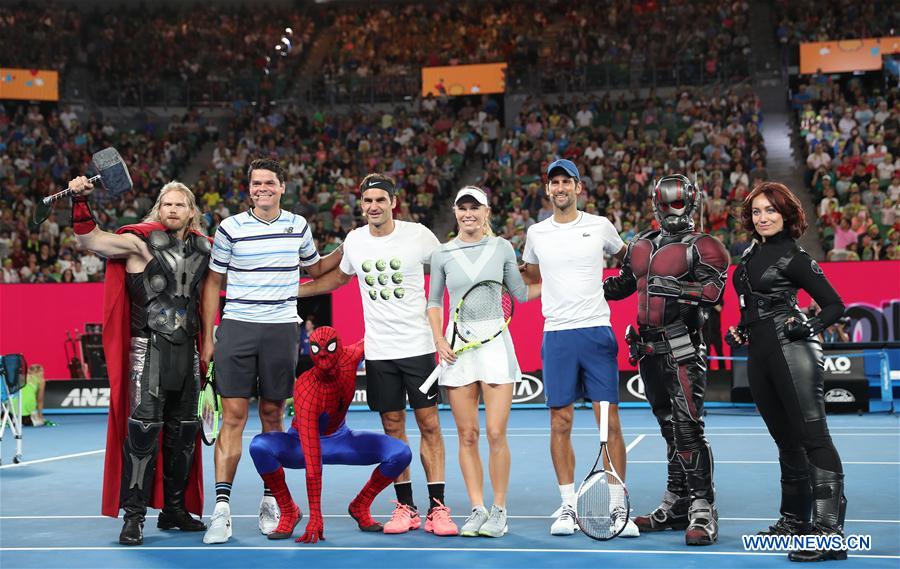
(116, 342)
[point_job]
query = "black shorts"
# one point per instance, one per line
(390, 382)
(255, 358)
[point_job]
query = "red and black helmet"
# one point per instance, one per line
(675, 198)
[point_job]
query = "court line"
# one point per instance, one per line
(416, 435)
(454, 435)
(52, 458)
(345, 516)
(649, 429)
(858, 462)
(299, 549)
(634, 443)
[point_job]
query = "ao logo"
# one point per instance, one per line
(635, 386)
(837, 365)
(528, 389)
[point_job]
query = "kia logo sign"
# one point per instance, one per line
(528, 389)
(635, 386)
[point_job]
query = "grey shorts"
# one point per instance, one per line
(254, 358)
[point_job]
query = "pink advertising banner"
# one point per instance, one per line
(34, 319)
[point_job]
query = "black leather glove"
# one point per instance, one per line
(736, 338)
(795, 329)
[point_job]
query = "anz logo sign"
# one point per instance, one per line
(635, 386)
(87, 397)
(528, 390)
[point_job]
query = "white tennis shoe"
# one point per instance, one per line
(269, 515)
(219, 525)
(565, 521)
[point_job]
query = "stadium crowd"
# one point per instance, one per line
(149, 55)
(849, 136)
(41, 151)
(549, 46)
(824, 20)
(621, 146)
(326, 156)
(621, 143)
(616, 43)
(196, 54)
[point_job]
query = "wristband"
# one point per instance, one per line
(82, 218)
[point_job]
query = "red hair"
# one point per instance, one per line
(783, 200)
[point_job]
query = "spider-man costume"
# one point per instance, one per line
(319, 435)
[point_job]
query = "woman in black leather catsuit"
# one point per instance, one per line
(785, 364)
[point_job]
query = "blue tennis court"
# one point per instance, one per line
(50, 504)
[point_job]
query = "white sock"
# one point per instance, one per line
(567, 493)
(616, 495)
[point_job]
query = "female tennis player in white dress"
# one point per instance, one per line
(491, 370)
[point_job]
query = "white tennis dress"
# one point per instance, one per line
(457, 266)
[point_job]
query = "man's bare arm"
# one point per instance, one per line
(326, 283)
(209, 308)
(531, 274)
(93, 238)
(326, 264)
(110, 245)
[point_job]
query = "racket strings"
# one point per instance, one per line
(208, 413)
(484, 311)
(602, 506)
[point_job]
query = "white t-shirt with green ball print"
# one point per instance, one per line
(391, 276)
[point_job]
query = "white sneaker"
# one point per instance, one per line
(565, 521)
(619, 518)
(219, 524)
(631, 530)
(269, 515)
(619, 514)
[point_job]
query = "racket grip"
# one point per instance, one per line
(604, 421)
(432, 378)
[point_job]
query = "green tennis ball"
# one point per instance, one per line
(397, 278)
(382, 279)
(395, 263)
(370, 280)
(386, 293)
(399, 292)
(367, 266)
(380, 264)
(373, 294)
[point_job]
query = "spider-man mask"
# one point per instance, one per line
(325, 347)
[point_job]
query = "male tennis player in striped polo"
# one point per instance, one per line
(388, 257)
(260, 251)
(567, 253)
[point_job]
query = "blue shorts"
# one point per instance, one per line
(580, 363)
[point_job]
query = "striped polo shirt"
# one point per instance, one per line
(262, 260)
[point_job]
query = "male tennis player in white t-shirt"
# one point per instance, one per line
(388, 258)
(567, 253)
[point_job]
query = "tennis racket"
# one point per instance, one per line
(482, 314)
(602, 507)
(209, 407)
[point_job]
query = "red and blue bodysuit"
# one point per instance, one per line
(319, 435)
